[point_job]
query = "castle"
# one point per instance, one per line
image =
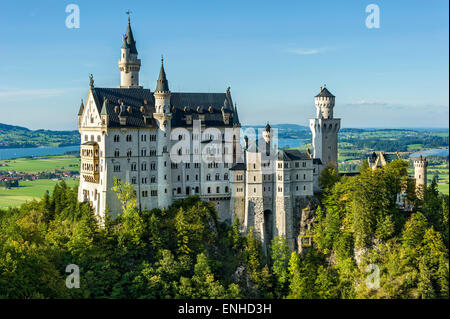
(170, 145)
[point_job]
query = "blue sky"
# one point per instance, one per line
(273, 54)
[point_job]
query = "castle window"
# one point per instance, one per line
(116, 168)
(143, 138)
(296, 188)
(144, 180)
(153, 166)
(128, 138)
(225, 176)
(188, 190)
(254, 190)
(178, 177)
(98, 138)
(297, 164)
(144, 193)
(208, 177)
(304, 164)
(116, 153)
(209, 190)
(153, 179)
(226, 189)
(280, 165)
(85, 138)
(254, 178)
(116, 138)
(217, 176)
(144, 166)
(196, 189)
(196, 177)
(154, 193)
(133, 166)
(304, 176)
(188, 165)
(217, 189)
(143, 152)
(179, 190)
(296, 176)
(187, 177)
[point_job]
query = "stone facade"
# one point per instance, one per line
(170, 145)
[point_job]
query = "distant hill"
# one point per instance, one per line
(12, 136)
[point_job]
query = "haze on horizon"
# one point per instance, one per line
(275, 57)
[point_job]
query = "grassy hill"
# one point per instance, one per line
(16, 137)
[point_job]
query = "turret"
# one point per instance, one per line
(267, 133)
(163, 118)
(129, 64)
(420, 174)
(325, 129)
(324, 102)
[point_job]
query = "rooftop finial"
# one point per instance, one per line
(91, 80)
(128, 12)
(162, 59)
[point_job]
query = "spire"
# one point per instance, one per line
(128, 39)
(267, 127)
(162, 84)
(80, 112)
(235, 115)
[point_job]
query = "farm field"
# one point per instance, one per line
(29, 190)
(41, 164)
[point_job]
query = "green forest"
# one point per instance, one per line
(185, 252)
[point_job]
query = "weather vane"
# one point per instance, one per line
(128, 12)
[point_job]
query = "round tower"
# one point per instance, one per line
(267, 133)
(325, 129)
(420, 175)
(129, 64)
(163, 118)
(324, 102)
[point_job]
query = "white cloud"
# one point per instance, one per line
(363, 102)
(305, 51)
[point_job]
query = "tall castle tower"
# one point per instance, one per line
(163, 118)
(420, 174)
(129, 64)
(325, 129)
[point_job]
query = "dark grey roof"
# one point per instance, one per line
(317, 161)
(292, 155)
(80, 112)
(324, 93)
(238, 167)
(128, 40)
(350, 174)
(162, 84)
(136, 97)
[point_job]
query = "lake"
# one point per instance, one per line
(436, 152)
(9, 153)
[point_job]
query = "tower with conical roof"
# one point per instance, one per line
(325, 129)
(129, 64)
(163, 118)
